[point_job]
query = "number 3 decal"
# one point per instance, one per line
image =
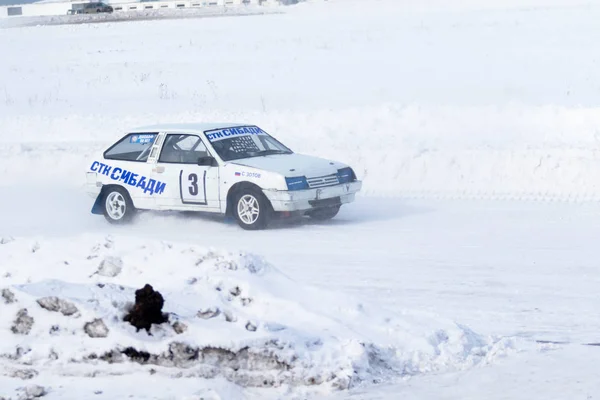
(192, 187)
(194, 181)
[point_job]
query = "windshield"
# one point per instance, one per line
(244, 142)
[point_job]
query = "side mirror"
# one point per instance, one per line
(207, 161)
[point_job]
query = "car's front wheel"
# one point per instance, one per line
(252, 210)
(325, 213)
(117, 205)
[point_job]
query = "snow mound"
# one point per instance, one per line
(230, 315)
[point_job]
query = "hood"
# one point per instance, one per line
(290, 165)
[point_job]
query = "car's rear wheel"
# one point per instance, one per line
(251, 209)
(117, 205)
(325, 213)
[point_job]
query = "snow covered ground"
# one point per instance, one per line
(474, 127)
(522, 271)
(243, 320)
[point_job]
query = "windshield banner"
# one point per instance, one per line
(221, 134)
(143, 139)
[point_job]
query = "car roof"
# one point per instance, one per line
(187, 127)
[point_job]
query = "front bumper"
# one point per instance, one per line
(304, 200)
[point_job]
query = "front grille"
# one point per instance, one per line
(322, 181)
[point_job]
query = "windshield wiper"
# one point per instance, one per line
(269, 152)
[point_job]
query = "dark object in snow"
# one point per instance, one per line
(96, 329)
(137, 356)
(250, 327)
(246, 301)
(229, 317)
(246, 366)
(110, 267)
(147, 309)
(208, 313)
(8, 296)
(23, 323)
(236, 291)
(179, 327)
(5, 240)
(34, 392)
(24, 374)
(55, 304)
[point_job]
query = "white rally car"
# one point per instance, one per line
(232, 169)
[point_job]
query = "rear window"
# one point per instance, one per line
(133, 147)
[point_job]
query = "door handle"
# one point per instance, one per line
(159, 169)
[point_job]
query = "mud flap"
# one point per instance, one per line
(97, 207)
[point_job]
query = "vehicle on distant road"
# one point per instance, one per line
(91, 8)
(233, 169)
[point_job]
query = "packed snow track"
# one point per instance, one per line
(434, 255)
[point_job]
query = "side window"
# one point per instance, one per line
(182, 149)
(133, 147)
(269, 145)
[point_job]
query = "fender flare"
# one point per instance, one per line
(97, 206)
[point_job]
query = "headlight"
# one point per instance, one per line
(346, 175)
(296, 183)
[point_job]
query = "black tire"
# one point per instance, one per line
(325, 213)
(250, 221)
(117, 198)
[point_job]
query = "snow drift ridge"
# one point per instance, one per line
(516, 152)
(238, 318)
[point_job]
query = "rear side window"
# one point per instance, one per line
(133, 147)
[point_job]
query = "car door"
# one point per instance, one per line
(193, 186)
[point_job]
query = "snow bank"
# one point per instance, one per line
(231, 315)
(512, 152)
